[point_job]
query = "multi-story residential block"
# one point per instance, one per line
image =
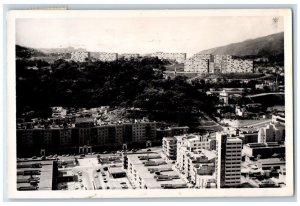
(169, 147)
(129, 55)
(193, 142)
(238, 66)
(197, 57)
(65, 137)
(201, 168)
(228, 162)
(179, 57)
(151, 171)
(107, 57)
(197, 66)
(211, 68)
(271, 133)
(250, 136)
(195, 160)
(103, 56)
(24, 139)
(143, 131)
(85, 132)
(80, 55)
(84, 126)
(219, 64)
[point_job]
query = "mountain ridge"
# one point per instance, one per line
(271, 45)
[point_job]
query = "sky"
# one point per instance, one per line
(143, 35)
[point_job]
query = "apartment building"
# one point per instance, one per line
(238, 66)
(65, 137)
(151, 171)
(84, 126)
(169, 147)
(196, 164)
(129, 55)
(250, 136)
(79, 55)
(198, 66)
(201, 165)
(197, 57)
(84, 132)
(228, 161)
(193, 142)
(24, 138)
(194, 156)
(273, 132)
(219, 64)
(107, 57)
(179, 57)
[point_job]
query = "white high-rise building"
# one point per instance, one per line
(79, 55)
(228, 162)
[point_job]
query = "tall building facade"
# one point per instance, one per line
(195, 160)
(198, 66)
(129, 55)
(218, 64)
(56, 139)
(107, 57)
(169, 147)
(80, 55)
(179, 57)
(271, 133)
(238, 66)
(228, 162)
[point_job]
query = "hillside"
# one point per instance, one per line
(24, 52)
(268, 46)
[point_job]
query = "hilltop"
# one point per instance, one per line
(267, 46)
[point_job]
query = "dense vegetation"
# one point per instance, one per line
(125, 83)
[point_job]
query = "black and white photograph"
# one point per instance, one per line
(150, 103)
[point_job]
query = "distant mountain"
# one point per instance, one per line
(268, 46)
(57, 50)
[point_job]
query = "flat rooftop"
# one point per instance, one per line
(149, 178)
(45, 177)
(264, 145)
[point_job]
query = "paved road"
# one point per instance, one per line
(86, 178)
(264, 94)
(259, 124)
